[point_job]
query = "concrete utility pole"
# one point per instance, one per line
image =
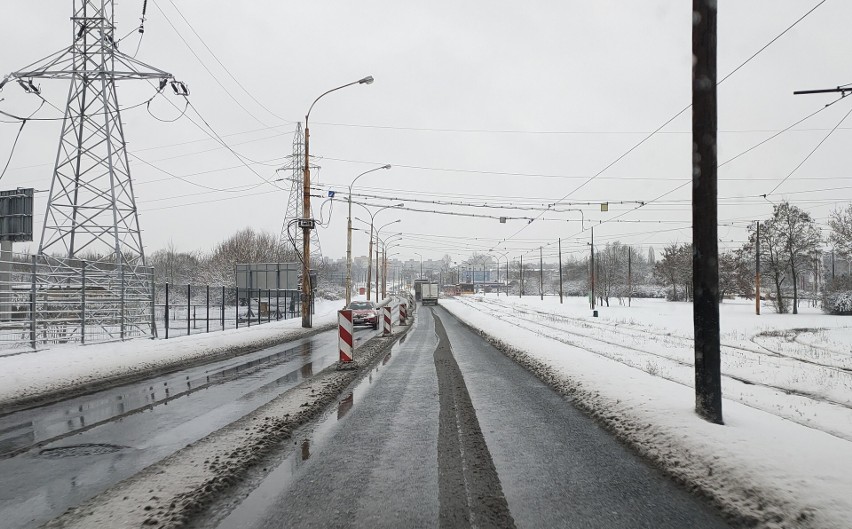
(705, 255)
(757, 272)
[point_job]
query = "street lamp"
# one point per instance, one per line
(306, 221)
(349, 236)
(379, 230)
(421, 264)
(370, 250)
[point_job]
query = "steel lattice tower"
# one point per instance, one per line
(290, 234)
(92, 208)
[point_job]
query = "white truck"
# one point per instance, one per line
(429, 293)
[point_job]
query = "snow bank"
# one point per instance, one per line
(31, 376)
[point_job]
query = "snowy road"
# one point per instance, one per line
(57, 456)
(449, 432)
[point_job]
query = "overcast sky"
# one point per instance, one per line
(481, 102)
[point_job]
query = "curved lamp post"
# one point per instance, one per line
(306, 210)
(378, 262)
(349, 235)
(370, 250)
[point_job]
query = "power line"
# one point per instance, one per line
(818, 145)
(649, 136)
(227, 71)
(203, 65)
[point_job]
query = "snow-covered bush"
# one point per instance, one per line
(839, 302)
(837, 297)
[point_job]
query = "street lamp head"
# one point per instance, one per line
(388, 166)
(366, 80)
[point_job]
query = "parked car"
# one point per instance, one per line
(364, 313)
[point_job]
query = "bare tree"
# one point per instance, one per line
(841, 230)
(790, 240)
(174, 267)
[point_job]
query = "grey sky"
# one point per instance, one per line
(579, 83)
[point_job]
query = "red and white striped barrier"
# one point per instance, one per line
(386, 316)
(403, 314)
(345, 331)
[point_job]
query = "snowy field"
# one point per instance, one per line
(787, 385)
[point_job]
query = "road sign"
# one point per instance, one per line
(16, 215)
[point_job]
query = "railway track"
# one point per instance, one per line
(530, 319)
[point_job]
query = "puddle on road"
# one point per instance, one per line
(80, 450)
(250, 512)
(16, 434)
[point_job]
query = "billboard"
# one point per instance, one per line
(268, 276)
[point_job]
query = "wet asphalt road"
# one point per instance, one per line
(92, 442)
(448, 432)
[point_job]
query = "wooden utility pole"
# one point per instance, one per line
(757, 271)
(560, 270)
(705, 256)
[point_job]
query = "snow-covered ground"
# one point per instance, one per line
(785, 451)
(30, 375)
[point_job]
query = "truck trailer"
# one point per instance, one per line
(429, 293)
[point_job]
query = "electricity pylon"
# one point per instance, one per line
(290, 233)
(92, 209)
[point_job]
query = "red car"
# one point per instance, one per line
(364, 313)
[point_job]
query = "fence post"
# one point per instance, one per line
(153, 305)
(188, 306)
(166, 312)
(33, 305)
(83, 303)
(268, 305)
(237, 311)
(207, 319)
(277, 304)
(121, 307)
(223, 307)
(248, 304)
(259, 295)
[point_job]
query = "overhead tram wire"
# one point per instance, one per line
(687, 182)
(649, 136)
(806, 158)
